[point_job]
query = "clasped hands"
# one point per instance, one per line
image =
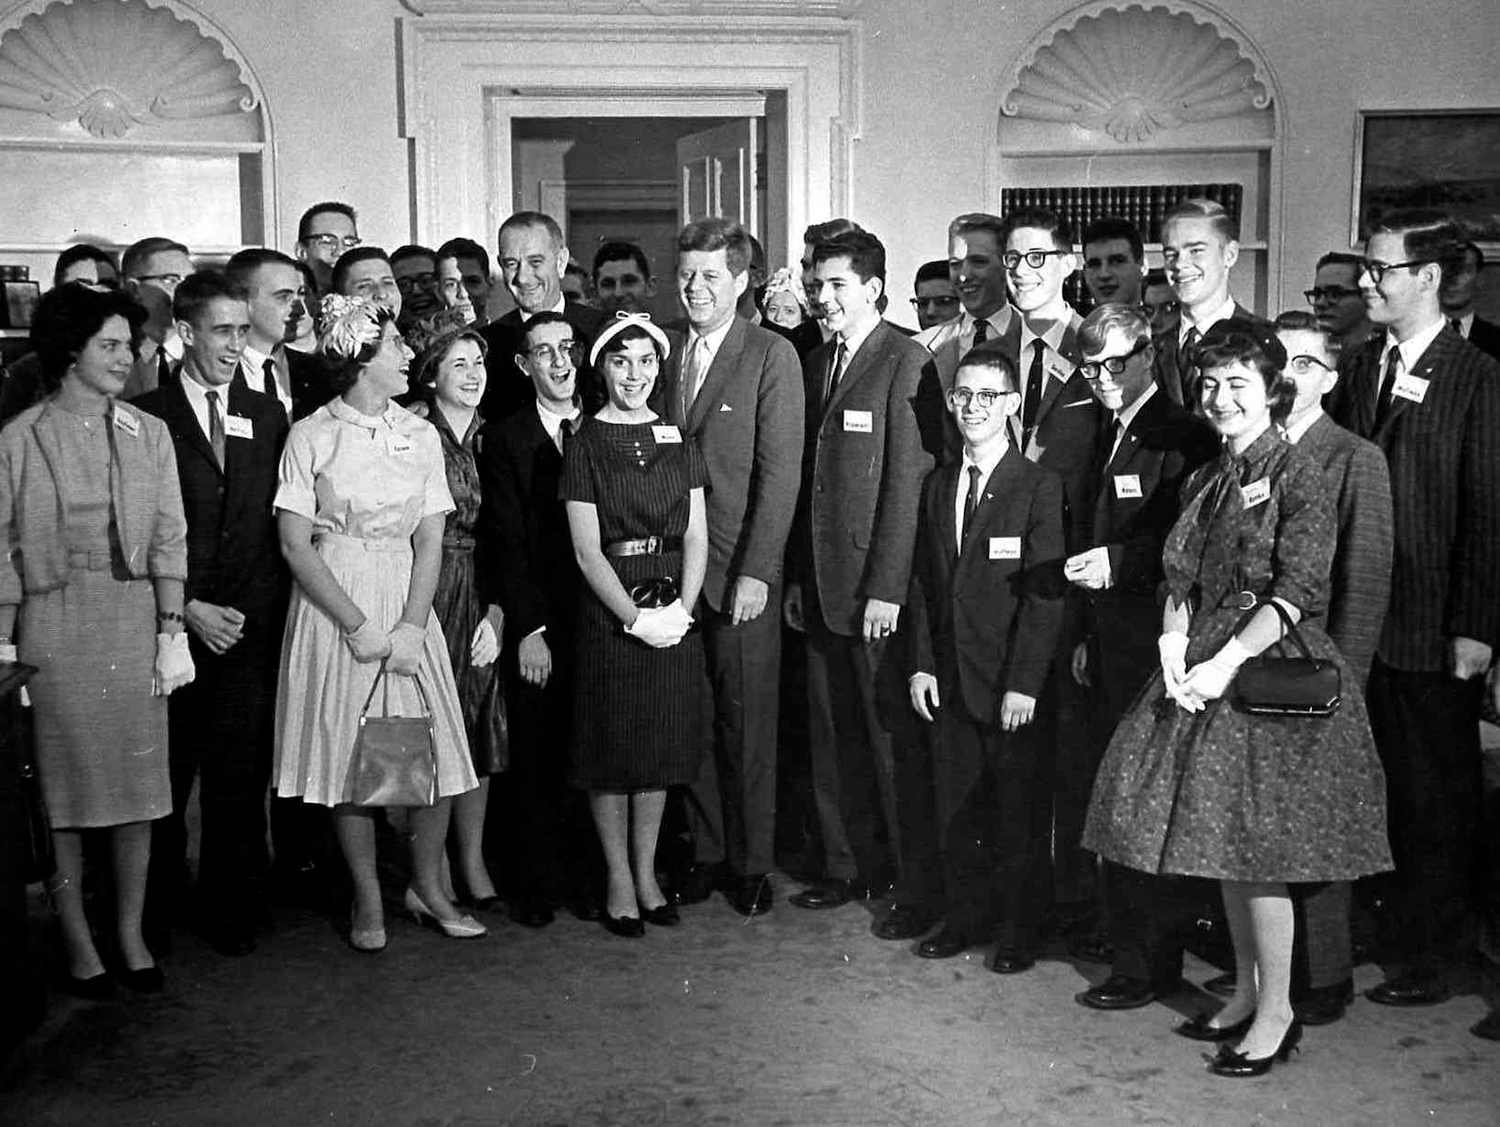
(661, 627)
(401, 647)
(1192, 689)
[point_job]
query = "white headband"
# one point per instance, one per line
(625, 321)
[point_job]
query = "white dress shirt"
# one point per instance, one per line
(253, 368)
(708, 345)
(986, 468)
(1050, 366)
(1126, 415)
(552, 422)
(1219, 313)
(1411, 351)
(197, 397)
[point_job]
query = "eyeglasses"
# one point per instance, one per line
(1094, 370)
(1378, 270)
(919, 302)
(165, 281)
(563, 353)
(1165, 307)
(1303, 364)
(1032, 258)
(333, 242)
(1319, 294)
(414, 282)
(986, 397)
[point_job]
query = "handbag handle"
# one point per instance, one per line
(1290, 626)
(385, 706)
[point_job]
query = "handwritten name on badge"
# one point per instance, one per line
(1255, 493)
(1060, 370)
(125, 421)
(859, 422)
(1410, 387)
(397, 444)
(666, 434)
(237, 426)
(1127, 485)
(1005, 547)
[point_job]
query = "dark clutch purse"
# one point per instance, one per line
(395, 757)
(1270, 685)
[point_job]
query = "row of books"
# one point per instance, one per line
(1143, 205)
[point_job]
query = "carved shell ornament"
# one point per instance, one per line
(116, 64)
(1135, 72)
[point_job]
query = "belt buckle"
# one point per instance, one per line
(1248, 599)
(653, 545)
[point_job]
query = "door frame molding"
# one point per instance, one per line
(464, 77)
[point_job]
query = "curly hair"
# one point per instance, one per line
(69, 316)
(1237, 340)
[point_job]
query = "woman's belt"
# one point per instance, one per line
(90, 559)
(458, 543)
(396, 545)
(1241, 600)
(646, 546)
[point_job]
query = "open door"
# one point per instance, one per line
(719, 176)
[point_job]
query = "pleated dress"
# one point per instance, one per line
(365, 483)
(635, 721)
(1223, 793)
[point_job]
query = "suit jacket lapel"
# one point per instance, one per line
(989, 499)
(858, 364)
(726, 359)
(1051, 387)
(180, 417)
(1427, 367)
(671, 380)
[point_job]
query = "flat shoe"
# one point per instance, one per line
(663, 915)
(626, 927)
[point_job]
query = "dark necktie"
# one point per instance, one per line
(1033, 387)
(1107, 448)
(971, 502)
(1457, 325)
(269, 368)
(981, 332)
(564, 432)
(1185, 364)
(835, 371)
(1387, 386)
(215, 426)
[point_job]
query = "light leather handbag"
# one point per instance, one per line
(395, 757)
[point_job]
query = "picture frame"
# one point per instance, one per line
(1444, 159)
(20, 302)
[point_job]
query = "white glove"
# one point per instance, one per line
(1172, 647)
(661, 627)
(484, 647)
(174, 663)
(1089, 569)
(1209, 680)
(406, 649)
(368, 643)
(677, 615)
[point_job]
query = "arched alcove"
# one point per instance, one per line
(1119, 108)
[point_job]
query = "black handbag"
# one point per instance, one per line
(1276, 685)
(395, 757)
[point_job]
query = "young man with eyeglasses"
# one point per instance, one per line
(326, 231)
(151, 270)
(1159, 302)
(1360, 486)
(1431, 401)
(937, 295)
(983, 626)
(1200, 243)
(1336, 300)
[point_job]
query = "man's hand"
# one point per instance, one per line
(217, 627)
(1016, 711)
(880, 619)
(1089, 569)
(924, 694)
(1468, 658)
(535, 660)
(1081, 664)
(749, 599)
(791, 609)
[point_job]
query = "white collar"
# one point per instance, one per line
(1413, 347)
(1220, 313)
(1295, 432)
(986, 465)
(552, 422)
(853, 343)
(714, 340)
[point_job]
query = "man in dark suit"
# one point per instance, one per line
(150, 271)
(814, 331)
(1359, 592)
(1431, 402)
(872, 419)
(278, 298)
(1457, 300)
(1200, 243)
(526, 552)
(983, 623)
(976, 245)
(532, 259)
(737, 389)
(228, 443)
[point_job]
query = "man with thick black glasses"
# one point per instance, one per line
(1336, 300)
(326, 231)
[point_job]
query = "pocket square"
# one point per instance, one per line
(1079, 402)
(724, 407)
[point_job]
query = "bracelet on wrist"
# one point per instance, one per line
(165, 616)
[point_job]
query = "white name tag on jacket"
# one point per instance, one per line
(1127, 485)
(1410, 387)
(1060, 370)
(1255, 493)
(125, 421)
(1005, 547)
(859, 422)
(397, 444)
(237, 426)
(666, 434)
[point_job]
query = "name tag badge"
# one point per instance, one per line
(397, 444)
(1410, 387)
(1255, 493)
(237, 426)
(125, 421)
(1127, 485)
(859, 422)
(1059, 370)
(1005, 547)
(666, 434)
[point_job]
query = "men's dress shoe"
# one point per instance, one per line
(1325, 1004)
(905, 922)
(944, 945)
(1410, 990)
(1199, 1029)
(147, 980)
(663, 915)
(1223, 985)
(1011, 960)
(749, 895)
(826, 894)
(587, 906)
(531, 911)
(1227, 1062)
(1092, 948)
(1118, 992)
(93, 989)
(626, 927)
(1488, 1026)
(698, 883)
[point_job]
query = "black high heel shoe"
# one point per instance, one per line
(663, 915)
(1230, 1063)
(1199, 1029)
(626, 927)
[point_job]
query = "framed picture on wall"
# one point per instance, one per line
(1444, 159)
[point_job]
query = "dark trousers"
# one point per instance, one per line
(221, 732)
(992, 791)
(732, 805)
(1151, 920)
(1426, 729)
(1322, 952)
(854, 689)
(1068, 710)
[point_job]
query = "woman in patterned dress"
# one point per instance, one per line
(1191, 783)
(634, 492)
(450, 372)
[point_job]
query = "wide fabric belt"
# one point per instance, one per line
(646, 546)
(95, 559)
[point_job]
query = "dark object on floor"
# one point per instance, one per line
(1326, 1004)
(698, 883)
(1488, 1026)
(749, 895)
(663, 915)
(944, 945)
(531, 911)
(1230, 1063)
(626, 927)
(1119, 992)
(1094, 947)
(828, 894)
(1410, 989)
(1199, 1029)
(904, 922)
(232, 943)
(1011, 960)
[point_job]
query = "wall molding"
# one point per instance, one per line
(777, 9)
